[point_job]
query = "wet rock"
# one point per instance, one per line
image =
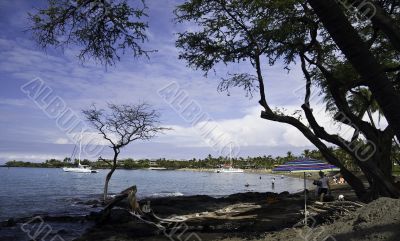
(10, 223)
(118, 216)
(90, 202)
(283, 194)
(62, 231)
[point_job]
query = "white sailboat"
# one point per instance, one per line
(80, 168)
(229, 168)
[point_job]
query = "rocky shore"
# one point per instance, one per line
(376, 221)
(241, 216)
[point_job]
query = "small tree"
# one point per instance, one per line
(122, 124)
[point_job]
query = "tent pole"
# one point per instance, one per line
(305, 200)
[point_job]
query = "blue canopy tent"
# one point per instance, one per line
(305, 165)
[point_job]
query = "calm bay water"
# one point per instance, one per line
(30, 191)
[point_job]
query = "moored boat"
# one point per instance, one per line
(229, 168)
(80, 168)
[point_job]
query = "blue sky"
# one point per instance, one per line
(27, 133)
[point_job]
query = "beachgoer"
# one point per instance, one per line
(282, 177)
(273, 183)
(335, 180)
(324, 187)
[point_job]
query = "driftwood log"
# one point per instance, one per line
(105, 213)
(329, 211)
(134, 209)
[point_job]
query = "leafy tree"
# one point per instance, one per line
(102, 28)
(67, 160)
(121, 125)
(265, 31)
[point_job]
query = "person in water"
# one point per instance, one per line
(323, 186)
(273, 183)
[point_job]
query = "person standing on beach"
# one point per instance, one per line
(324, 187)
(335, 180)
(273, 183)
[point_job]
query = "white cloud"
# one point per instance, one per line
(29, 157)
(249, 130)
(62, 141)
(16, 102)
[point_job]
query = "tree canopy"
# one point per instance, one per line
(101, 28)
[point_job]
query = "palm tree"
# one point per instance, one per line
(306, 153)
(361, 102)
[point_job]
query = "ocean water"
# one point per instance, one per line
(26, 192)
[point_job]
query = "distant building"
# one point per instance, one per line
(153, 163)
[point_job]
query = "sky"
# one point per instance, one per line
(29, 133)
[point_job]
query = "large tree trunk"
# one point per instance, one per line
(378, 170)
(358, 54)
(384, 186)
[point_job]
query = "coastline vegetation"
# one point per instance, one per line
(253, 163)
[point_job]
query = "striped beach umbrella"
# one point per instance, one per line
(305, 165)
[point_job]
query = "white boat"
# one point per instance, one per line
(229, 168)
(157, 168)
(80, 168)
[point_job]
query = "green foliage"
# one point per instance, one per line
(396, 170)
(101, 28)
(210, 162)
(236, 31)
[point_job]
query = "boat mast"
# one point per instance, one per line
(80, 150)
(230, 154)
